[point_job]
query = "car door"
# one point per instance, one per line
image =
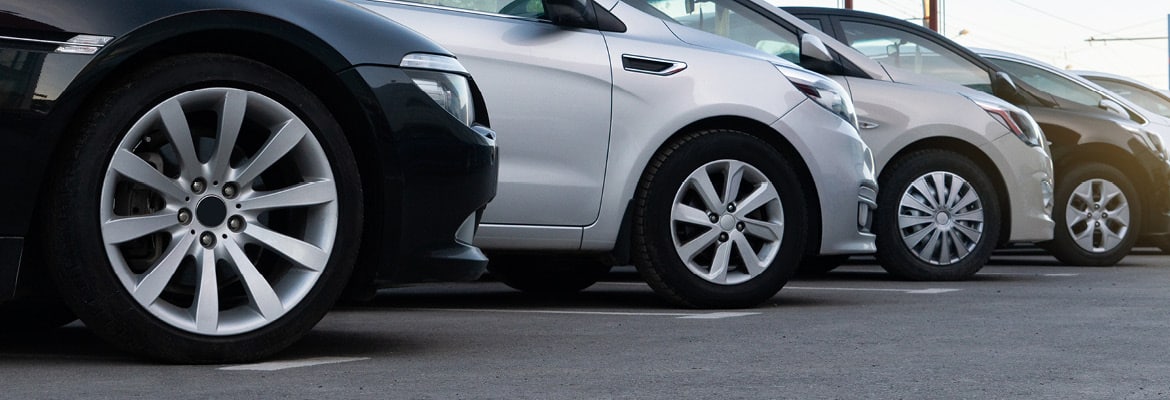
(548, 90)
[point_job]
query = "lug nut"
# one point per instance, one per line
(714, 218)
(198, 186)
(1097, 224)
(230, 190)
(739, 226)
(723, 237)
(236, 223)
(1096, 206)
(207, 239)
(731, 207)
(184, 216)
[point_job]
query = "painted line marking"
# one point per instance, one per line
(714, 315)
(1026, 274)
(279, 365)
(908, 291)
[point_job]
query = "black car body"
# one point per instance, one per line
(424, 174)
(1081, 137)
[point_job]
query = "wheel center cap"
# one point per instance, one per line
(211, 212)
(942, 218)
(727, 222)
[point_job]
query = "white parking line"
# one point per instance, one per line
(279, 365)
(1024, 274)
(714, 315)
(908, 291)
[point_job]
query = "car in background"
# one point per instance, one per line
(1151, 99)
(710, 168)
(960, 170)
(1094, 151)
(196, 180)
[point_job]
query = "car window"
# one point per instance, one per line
(1141, 96)
(520, 8)
(815, 22)
(1050, 83)
(906, 50)
(731, 20)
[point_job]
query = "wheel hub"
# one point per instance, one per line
(727, 222)
(942, 218)
(211, 212)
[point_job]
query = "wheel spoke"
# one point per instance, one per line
(692, 248)
(304, 254)
(969, 232)
(945, 244)
(970, 198)
(261, 295)
(906, 221)
(915, 238)
(120, 230)
(207, 294)
(1084, 238)
(175, 120)
(911, 202)
(231, 120)
(281, 143)
(719, 264)
(1084, 193)
(960, 244)
(731, 186)
(1111, 238)
(953, 191)
(931, 245)
(751, 260)
(134, 168)
(299, 195)
(1073, 216)
(702, 184)
(155, 280)
(763, 194)
(770, 231)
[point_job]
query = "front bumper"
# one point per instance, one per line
(438, 175)
(1028, 178)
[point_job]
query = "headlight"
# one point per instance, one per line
(1015, 120)
(444, 80)
(1152, 139)
(824, 91)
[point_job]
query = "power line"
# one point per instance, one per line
(1124, 39)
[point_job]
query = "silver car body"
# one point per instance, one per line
(898, 108)
(576, 129)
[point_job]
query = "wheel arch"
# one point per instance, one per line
(973, 153)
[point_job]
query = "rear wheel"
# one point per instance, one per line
(717, 221)
(938, 217)
(209, 212)
(1097, 215)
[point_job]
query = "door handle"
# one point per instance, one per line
(652, 66)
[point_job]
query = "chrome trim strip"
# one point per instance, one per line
(674, 68)
(38, 41)
(409, 3)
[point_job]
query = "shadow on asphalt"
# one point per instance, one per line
(73, 342)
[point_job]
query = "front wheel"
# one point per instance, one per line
(209, 212)
(717, 221)
(938, 217)
(1097, 215)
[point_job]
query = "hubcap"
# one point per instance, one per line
(1097, 215)
(940, 218)
(200, 274)
(727, 223)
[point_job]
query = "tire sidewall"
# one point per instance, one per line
(656, 200)
(81, 268)
(892, 253)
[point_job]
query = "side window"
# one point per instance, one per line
(520, 8)
(912, 52)
(732, 20)
(1050, 83)
(1139, 95)
(815, 22)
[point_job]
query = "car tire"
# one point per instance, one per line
(706, 203)
(173, 248)
(1089, 231)
(820, 265)
(547, 274)
(926, 238)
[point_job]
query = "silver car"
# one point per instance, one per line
(960, 170)
(713, 169)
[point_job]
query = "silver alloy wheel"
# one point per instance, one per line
(219, 211)
(940, 218)
(727, 222)
(1097, 215)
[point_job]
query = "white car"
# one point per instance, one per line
(714, 169)
(961, 171)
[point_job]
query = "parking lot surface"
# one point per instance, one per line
(1025, 327)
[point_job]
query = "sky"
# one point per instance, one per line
(1054, 31)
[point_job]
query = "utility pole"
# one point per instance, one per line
(848, 4)
(932, 14)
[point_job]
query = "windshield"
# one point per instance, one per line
(1143, 97)
(729, 19)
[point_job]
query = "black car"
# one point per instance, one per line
(199, 181)
(1100, 159)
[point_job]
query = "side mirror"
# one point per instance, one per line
(571, 13)
(812, 47)
(1004, 87)
(1113, 107)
